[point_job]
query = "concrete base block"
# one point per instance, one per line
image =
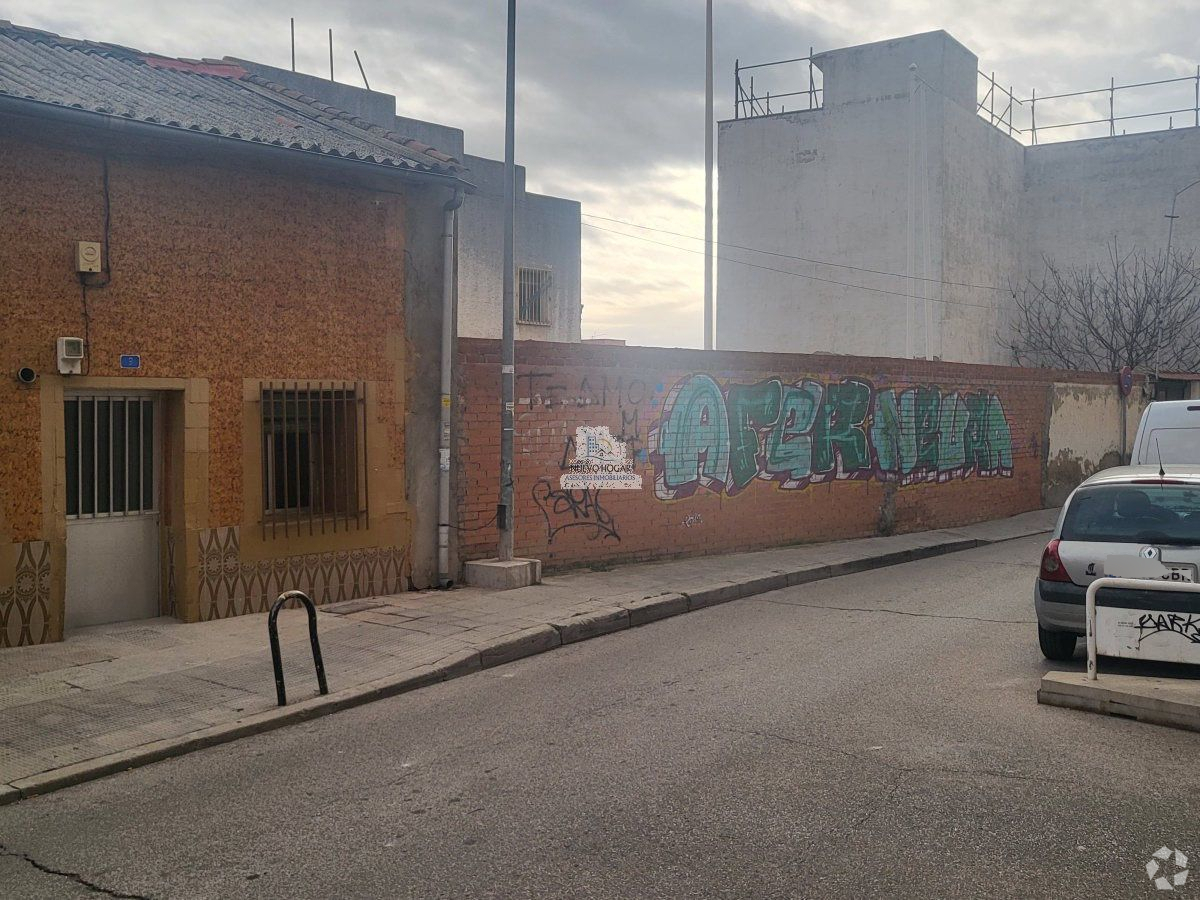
(1174, 702)
(503, 576)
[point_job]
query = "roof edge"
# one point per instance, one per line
(105, 122)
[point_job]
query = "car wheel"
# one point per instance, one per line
(1056, 645)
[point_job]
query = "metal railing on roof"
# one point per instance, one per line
(1029, 120)
(1085, 110)
(749, 103)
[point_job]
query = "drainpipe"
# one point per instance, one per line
(448, 334)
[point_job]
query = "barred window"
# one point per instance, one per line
(534, 286)
(314, 457)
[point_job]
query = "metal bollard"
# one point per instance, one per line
(273, 633)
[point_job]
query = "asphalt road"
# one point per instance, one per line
(874, 735)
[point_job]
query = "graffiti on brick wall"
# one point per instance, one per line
(810, 432)
(624, 394)
(565, 509)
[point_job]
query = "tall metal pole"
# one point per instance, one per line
(708, 177)
(1171, 217)
(504, 514)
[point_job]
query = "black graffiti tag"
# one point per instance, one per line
(565, 509)
(1156, 623)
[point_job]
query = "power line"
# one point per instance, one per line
(739, 262)
(818, 262)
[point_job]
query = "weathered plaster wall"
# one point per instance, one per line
(1085, 434)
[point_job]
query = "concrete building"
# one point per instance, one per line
(907, 217)
(220, 321)
(547, 246)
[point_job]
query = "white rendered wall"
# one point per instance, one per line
(547, 236)
(917, 184)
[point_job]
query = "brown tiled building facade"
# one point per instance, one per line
(248, 332)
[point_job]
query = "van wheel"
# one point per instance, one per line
(1056, 645)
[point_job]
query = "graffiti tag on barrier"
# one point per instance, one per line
(810, 432)
(1187, 626)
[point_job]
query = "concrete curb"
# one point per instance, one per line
(627, 613)
(1172, 702)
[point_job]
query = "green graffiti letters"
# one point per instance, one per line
(808, 432)
(693, 441)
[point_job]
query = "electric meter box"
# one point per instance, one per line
(87, 257)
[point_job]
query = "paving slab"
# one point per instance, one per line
(1160, 701)
(116, 696)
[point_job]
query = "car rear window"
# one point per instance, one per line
(1175, 446)
(1135, 513)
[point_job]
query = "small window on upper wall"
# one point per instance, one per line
(534, 286)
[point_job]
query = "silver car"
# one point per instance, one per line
(1147, 511)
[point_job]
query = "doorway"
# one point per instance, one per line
(113, 466)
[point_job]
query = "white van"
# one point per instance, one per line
(1169, 427)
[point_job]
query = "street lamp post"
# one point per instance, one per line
(709, 313)
(504, 514)
(1171, 217)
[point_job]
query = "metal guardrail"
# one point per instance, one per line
(273, 634)
(748, 104)
(997, 103)
(1135, 584)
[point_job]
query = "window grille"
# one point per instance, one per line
(110, 455)
(314, 457)
(534, 306)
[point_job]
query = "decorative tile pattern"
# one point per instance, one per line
(25, 606)
(229, 587)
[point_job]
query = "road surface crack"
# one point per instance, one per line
(72, 876)
(900, 612)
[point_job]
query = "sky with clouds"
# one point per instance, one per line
(610, 93)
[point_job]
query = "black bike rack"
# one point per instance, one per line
(273, 632)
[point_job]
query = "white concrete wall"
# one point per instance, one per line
(1082, 194)
(918, 184)
(815, 184)
(859, 182)
(547, 236)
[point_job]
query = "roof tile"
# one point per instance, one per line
(211, 96)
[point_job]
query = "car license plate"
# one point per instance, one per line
(1186, 574)
(1141, 567)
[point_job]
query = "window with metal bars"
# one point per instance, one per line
(110, 455)
(314, 457)
(534, 287)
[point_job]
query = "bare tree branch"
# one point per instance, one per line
(1135, 309)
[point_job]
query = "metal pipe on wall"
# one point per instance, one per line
(449, 315)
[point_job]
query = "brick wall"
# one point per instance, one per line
(224, 270)
(738, 451)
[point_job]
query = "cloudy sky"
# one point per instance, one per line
(610, 93)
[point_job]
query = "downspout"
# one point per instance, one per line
(449, 319)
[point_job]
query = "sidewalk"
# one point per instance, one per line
(118, 696)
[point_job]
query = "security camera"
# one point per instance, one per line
(26, 375)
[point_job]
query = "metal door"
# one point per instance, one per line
(113, 463)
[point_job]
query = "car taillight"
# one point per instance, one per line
(1052, 565)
